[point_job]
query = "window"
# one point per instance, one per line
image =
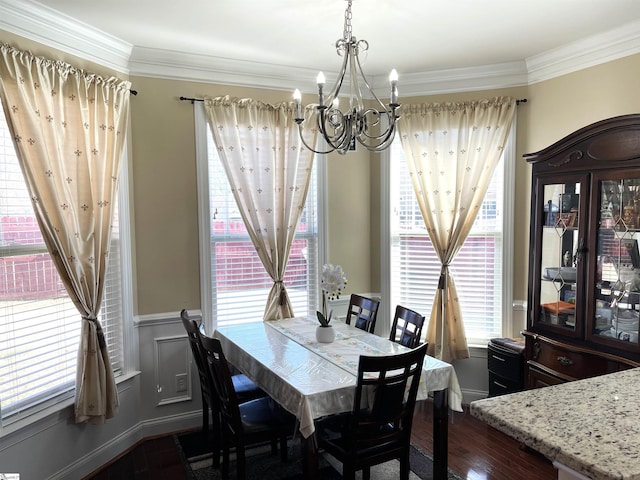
(479, 269)
(39, 325)
(235, 284)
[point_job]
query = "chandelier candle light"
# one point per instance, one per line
(374, 128)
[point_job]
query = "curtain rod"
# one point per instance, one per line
(192, 100)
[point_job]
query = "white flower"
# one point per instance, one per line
(332, 282)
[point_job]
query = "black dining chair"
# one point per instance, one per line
(406, 328)
(364, 312)
(245, 389)
(244, 424)
(378, 428)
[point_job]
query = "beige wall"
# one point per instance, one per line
(349, 215)
(165, 197)
(559, 106)
(164, 173)
(556, 108)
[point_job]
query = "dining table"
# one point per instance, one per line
(312, 380)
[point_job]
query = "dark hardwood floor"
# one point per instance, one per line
(152, 459)
(476, 452)
(480, 452)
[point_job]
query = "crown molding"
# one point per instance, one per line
(39, 23)
(588, 52)
(34, 21)
(464, 79)
(149, 62)
(170, 64)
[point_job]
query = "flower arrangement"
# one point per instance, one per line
(332, 282)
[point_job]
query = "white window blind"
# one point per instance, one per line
(239, 283)
(477, 268)
(39, 325)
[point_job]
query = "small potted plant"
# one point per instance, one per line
(332, 282)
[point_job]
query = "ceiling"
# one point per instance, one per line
(413, 36)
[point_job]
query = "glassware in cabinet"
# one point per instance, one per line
(616, 309)
(560, 236)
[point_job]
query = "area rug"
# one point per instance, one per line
(261, 465)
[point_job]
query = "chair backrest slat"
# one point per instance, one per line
(385, 398)
(222, 383)
(193, 334)
(363, 311)
(406, 328)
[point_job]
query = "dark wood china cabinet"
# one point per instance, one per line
(583, 301)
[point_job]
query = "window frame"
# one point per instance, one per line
(507, 304)
(204, 215)
(128, 348)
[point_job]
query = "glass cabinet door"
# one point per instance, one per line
(560, 239)
(617, 277)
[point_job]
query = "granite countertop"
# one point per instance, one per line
(591, 426)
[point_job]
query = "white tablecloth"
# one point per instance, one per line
(312, 379)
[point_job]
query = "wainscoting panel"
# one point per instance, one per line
(173, 369)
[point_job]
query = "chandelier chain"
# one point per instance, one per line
(347, 22)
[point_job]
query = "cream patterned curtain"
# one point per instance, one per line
(269, 170)
(452, 151)
(69, 129)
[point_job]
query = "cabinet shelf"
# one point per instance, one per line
(559, 280)
(554, 227)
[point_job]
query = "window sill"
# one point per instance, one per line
(49, 416)
(478, 345)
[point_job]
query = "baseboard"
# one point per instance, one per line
(174, 423)
(118, 445)
(469, 395)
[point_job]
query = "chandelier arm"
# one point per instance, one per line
(304, 142)
(335, 91)
(340, 139)
(384, 144)
(387, 135)
(366, 84)
(354, 64)
(346, 137)
(379, 114)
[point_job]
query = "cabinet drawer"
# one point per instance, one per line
(537, 378)
(505, 363)
(499, 385)
(569, 364)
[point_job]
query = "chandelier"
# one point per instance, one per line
(373, 128)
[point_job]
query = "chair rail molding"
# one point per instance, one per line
(152, 319)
